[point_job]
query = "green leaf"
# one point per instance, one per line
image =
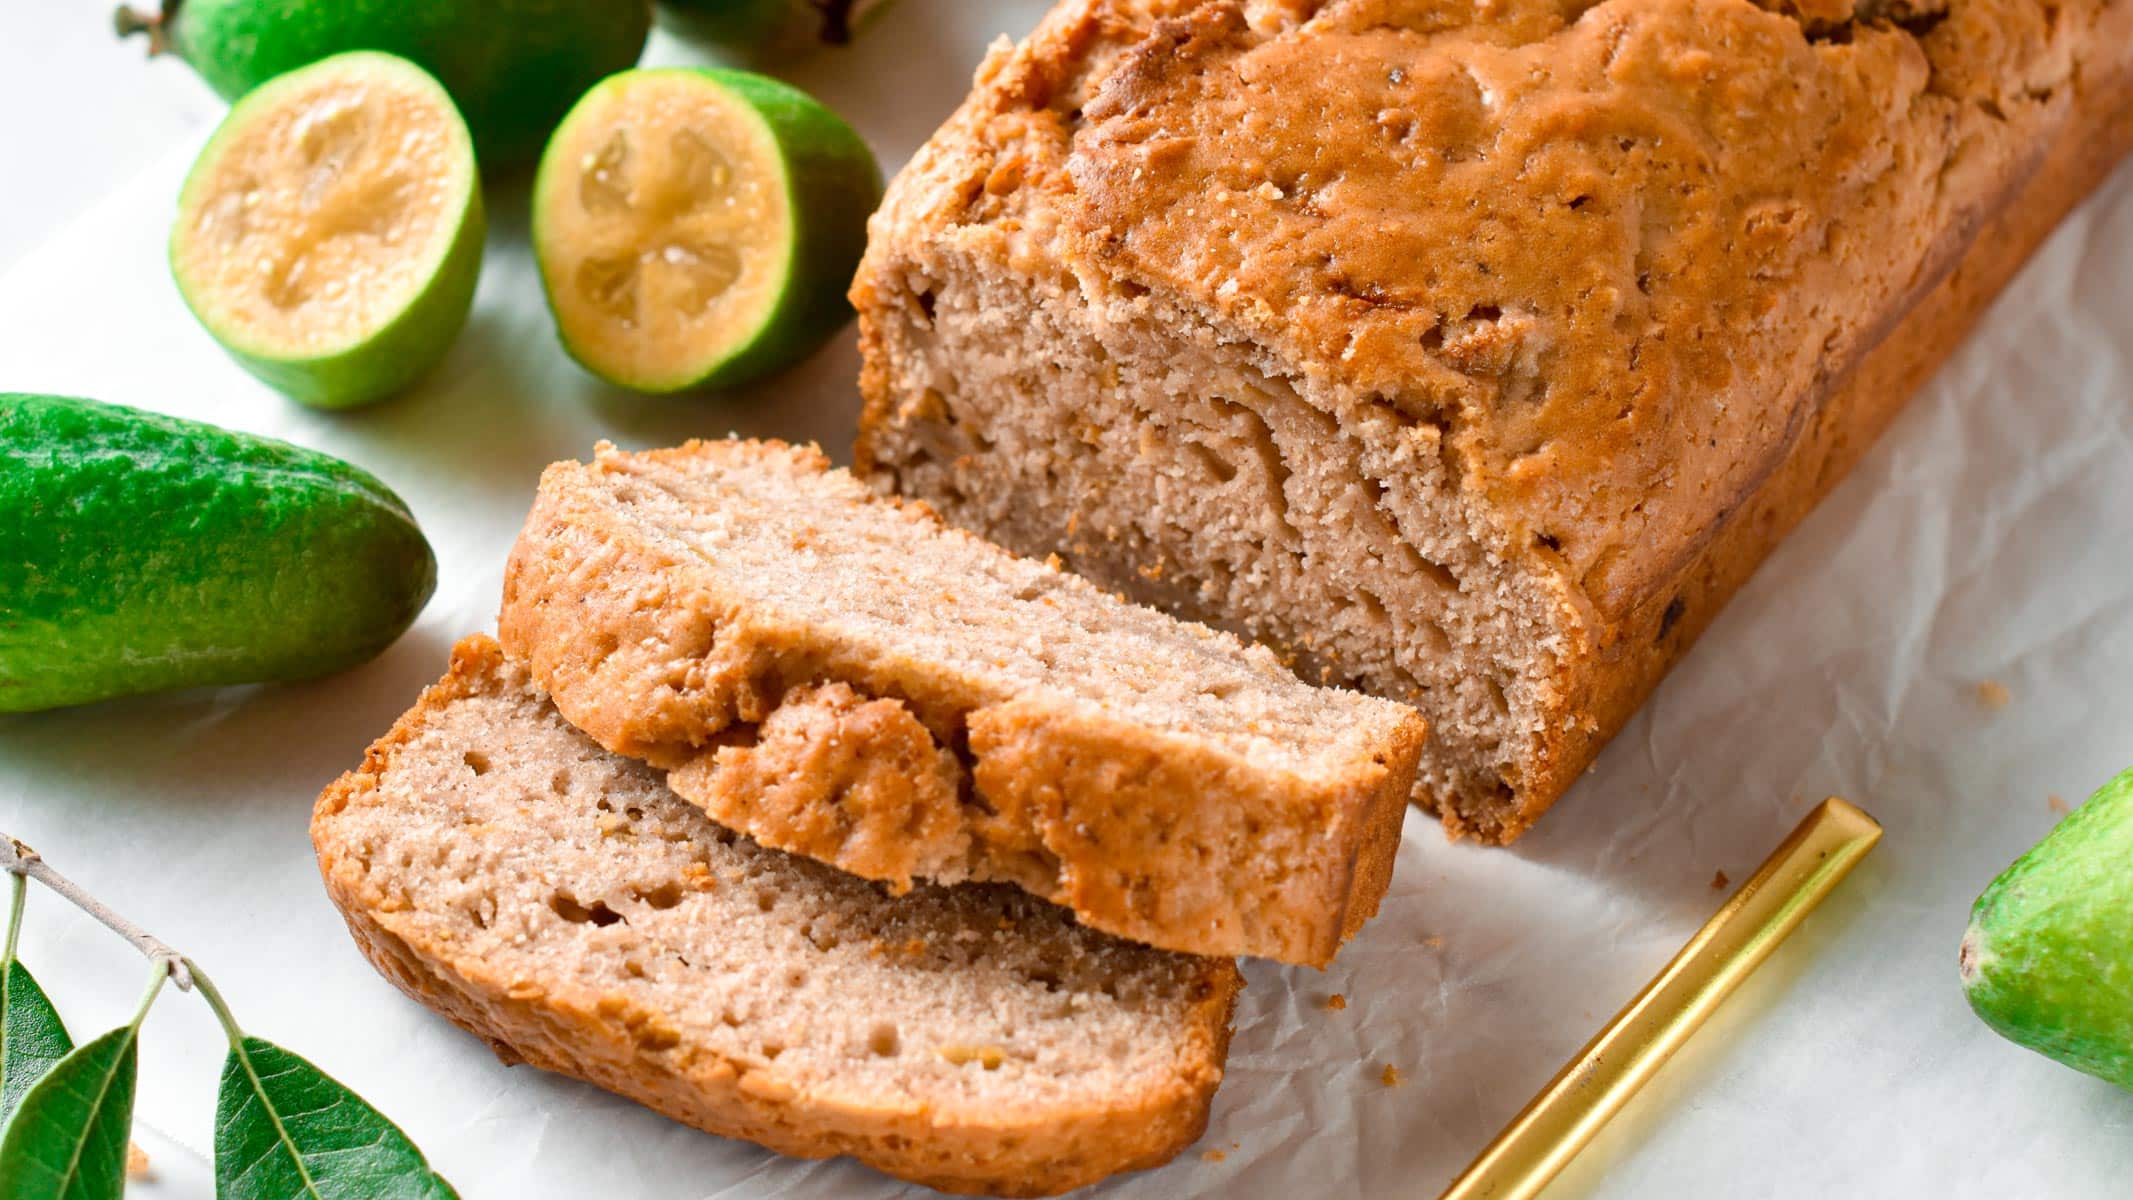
(67, 1140)
(32, 1038)
(285, 1130)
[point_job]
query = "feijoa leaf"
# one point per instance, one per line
(285, 1130)
(67, 1138)
(32, 1037)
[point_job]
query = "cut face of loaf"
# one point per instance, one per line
(561, 903)
(1469, 355)
(844, 677)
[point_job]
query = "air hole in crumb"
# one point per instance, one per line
(1434, 639)
(926, 303)
(1497, 700)
(662, 896)
(1484, 312)
(604, 805)
(796, 979)
(764, 901)
(771, 1050)
(884, 1041)
(559, 784)
(1433, 341)
(567, 907)
(1219, 467)
(1548, 540)
(476, 761)
(1437, 573)
(1373, 608)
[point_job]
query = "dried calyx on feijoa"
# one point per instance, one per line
(768, 30)
(330, 234)
(512, 66)
(698, 228)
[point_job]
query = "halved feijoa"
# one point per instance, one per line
(698, 228)
(329, 236)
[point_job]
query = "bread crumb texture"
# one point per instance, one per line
(1469, 354)
(847, 678)
(999, 1047)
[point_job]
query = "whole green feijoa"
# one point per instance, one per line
(330, 234)
(2048, 959)
(140, 552)
(697, 228)
(513, 66)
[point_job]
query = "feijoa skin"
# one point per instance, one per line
(696, 229)
(514, 66)
(2048, 959)
(330, 234)
(141, 552)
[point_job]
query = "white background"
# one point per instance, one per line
(1987, 538)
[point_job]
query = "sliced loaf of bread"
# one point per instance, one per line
(845, 677)
(560, 902)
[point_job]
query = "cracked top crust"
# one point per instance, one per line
(1618, 252)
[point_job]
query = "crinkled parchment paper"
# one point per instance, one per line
(1988, 538)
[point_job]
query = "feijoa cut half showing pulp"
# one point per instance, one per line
(330, 234)
(697, 228)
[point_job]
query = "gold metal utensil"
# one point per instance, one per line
(1593, 1086)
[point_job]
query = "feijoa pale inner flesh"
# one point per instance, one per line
(330, 234)
(697, 228)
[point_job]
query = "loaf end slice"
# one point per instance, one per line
(845, 677)
(561, 903)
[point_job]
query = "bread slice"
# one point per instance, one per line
(844, 677)
(562, 904)
(1475, 354)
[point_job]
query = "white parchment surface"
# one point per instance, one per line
(1988, 538)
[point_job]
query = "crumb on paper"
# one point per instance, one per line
(2057, 803)
(1719, 882)
(136, 1161)
(1434, 941)
(1213, 1155)
(1391, 1077)
(1994, 694)
(1336, 1002)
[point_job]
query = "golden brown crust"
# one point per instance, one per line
(1651, 272)
(1161, 838)
(1037, 1151)
(1848, 414)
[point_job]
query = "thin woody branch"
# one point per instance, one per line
(18, 859)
